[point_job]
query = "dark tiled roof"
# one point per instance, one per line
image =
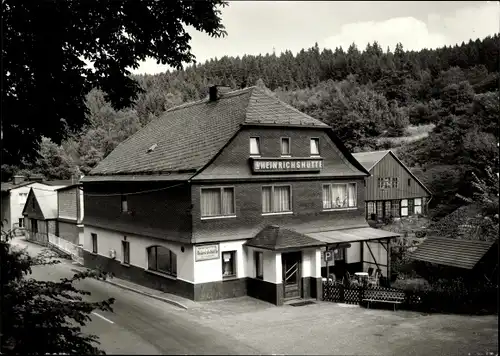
(274, 238)
(6, 186)
(370, 159)
(188, 136)
(54, 183)
(452, 252)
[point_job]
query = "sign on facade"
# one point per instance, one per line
(328, 256)
(206, 252)
(286, 165)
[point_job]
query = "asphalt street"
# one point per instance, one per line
(139, 324)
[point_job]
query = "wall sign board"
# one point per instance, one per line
(206, 252)
(283, 165)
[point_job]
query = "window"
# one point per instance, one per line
(254, 146)
(161, 259)
(217, 201)
(34, 225)
(404, 207)
(21, 222)
(259, 265)
(124, 204)
(380, 209)
(418, 206)
(126, 251)
(314, 146)
(229, 264)
(276, 199)
(411, 210)
(337, 196)
(395, 208)
(370, 207)
(285, 146)
(395, 182)
(94, 242)
(387, 208)
(339, 254)
(409, 181)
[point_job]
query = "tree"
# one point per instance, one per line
(53, 162)
(45, 45)
(54, 312)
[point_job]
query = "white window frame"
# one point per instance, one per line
(222, 216)
(234, 262)
(311, 146)
(404, 205)
(272, 200)
(289, 154)
(331, 202)
(257, 139)
(415, 205)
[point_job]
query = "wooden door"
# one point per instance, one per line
(291, 274)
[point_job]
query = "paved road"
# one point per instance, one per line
(139, 324)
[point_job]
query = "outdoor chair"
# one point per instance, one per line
(370, 271)
(374, 281)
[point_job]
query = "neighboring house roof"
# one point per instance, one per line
(370, 160)
(46, 199)
(452, 252)
(186, 138)
(59, 183)
(68, 186)
(353, 235)
(275, 238)
(8, 186)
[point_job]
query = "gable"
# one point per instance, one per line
(390, 167)
(233, 160)
(41, 204)
(32, 209)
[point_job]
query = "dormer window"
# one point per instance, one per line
(314, 146)
(254, 146)
(285, 146)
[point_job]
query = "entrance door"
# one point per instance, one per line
(291, 274)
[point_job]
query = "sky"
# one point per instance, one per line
(255, 27)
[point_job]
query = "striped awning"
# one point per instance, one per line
(452, 252)
(352, 235)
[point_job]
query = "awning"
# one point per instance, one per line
(452, 252)
(352, 235)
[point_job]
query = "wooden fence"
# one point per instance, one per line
(465, 301)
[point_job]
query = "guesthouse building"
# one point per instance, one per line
(237, 194)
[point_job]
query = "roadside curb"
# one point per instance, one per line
(166, 300)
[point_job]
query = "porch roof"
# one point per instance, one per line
(452, 252)
(352, 235)
(275, 238)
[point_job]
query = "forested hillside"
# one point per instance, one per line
(372, 98)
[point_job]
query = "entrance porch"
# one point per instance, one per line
(283, 265)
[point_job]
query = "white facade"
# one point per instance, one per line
(17, 200)
(108, 240)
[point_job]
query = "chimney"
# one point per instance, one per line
(212, 93)
(215, 92)
(18, 179)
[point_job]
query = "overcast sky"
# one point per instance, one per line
(259, 26)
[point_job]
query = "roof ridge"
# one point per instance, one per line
(229, 94)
